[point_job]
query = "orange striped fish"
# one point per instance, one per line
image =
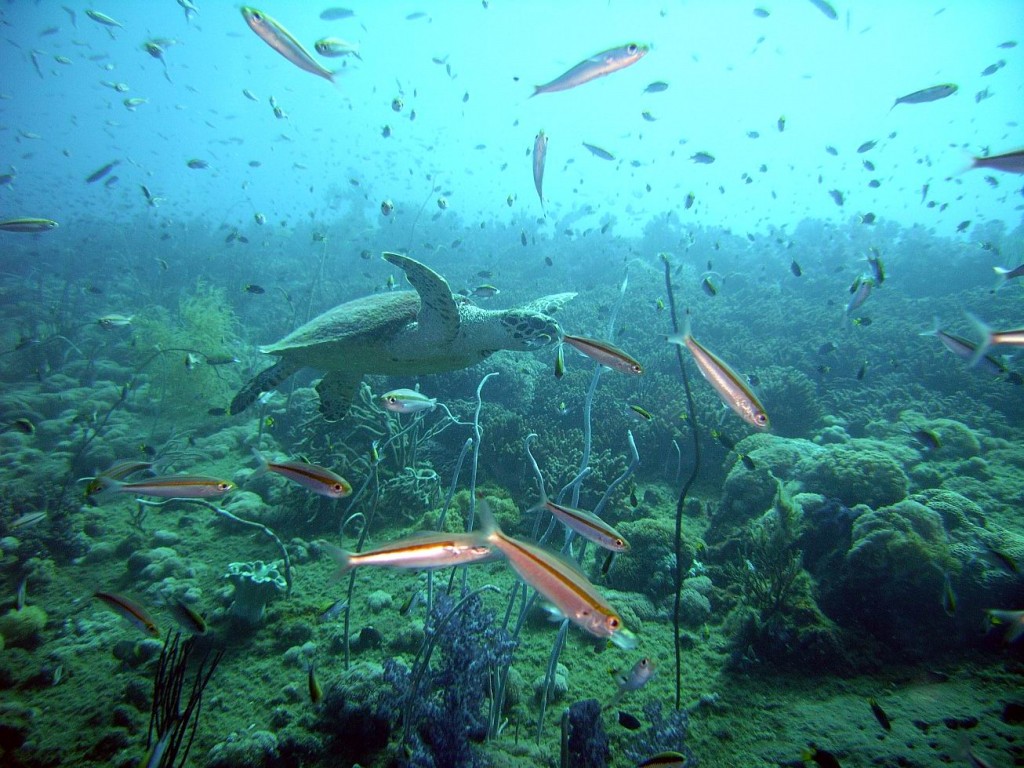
(129, 610)
(589, 526)
(319, 480)
(605, 353)
(560, 583)
(171, 486)
(425, 551)
(727, 383)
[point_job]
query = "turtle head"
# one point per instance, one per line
(526, 329)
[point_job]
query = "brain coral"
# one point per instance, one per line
(857, 472)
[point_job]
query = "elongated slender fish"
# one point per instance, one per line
(606, 353)
(171, 486)
(130, 610)
(27, 225)
(965, 349)
(726, 382)
(426, 551)
(101, 172)
(598, 65)
(560, 583)
(934, 93)
(319, 480)
(102, 18)
(1011, 162)
(281, 40)
(540, 154)
(589, 526)
(598, 152)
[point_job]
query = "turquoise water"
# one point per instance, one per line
(837, 264)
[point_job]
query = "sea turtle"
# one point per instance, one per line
(406, 333)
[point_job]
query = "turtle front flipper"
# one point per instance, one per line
(337, 390)
(438, 319)
(264, 381)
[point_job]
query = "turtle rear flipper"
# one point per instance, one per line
(337, 390)
(264, 381)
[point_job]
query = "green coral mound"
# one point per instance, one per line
(857, 472)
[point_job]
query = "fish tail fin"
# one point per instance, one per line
(1001, 273)
(936, 328)
(341, 557)
(986, 339)
(489, 527)
(679, 339)
(105, 487)
(261, 464)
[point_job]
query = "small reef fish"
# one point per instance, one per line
(319, 480)
(825, 7)
(665, 760)
(130, 610)
(934, 93)
(27, 520)
(599, 65)
(820, 757)
(407, 401)
(879, 713)
(188, 619)
(559, 582)
(1011, 162)
(598, 152)
(27, 225)
(335, 46)
(334, 14)
(606, 353)
(877, 266)
(114, 321)
(281, 40)
(334, 611)
(861, 290)
(991, 338)
(633, 680)
(425, 551)
(588, 525)
(1014, 621)
(540, 153)
(171, 486)
(316, 693)
(101, 172)
(559, 362)
(730, 387)
(639, 413)
(102, 18)
(656, 87)
(486, 291)
(254, 289)
(629, 722)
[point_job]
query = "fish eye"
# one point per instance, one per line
(761, 418)
(613, 623)
(257, 16)
(224, 486)
(637, 369)
(338, 488)
(631, 49)
(620, 543)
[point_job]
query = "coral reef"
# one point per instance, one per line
(256, 584)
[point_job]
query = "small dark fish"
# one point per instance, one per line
(334, 611)
(148, 450)
(629, 722)
(948, 596)
(868, 218)
(748, 462)
(925, 95)
(598, 152)
(335, 14)
(762, 13)
(703, 158)
(825, 7)
(929, 439)
(316, 693)
(253, 288)
(820, 757)
(688, 203)
(1008, 44)
(656, 87)
(837, 197)
(867, 146)
(991, 69)
(1011, 162)
(547, 260)
(862, 371)
(221, 360)
(879, 713)
(101, 172)
(828, 348)
(874, 183)
(24, 426)
(522, 236)
(634, 502)
(863, 322)
(646, 115)
(187, 618)
(781, 123)
(416, 15)
(963, 226)
(832, 151)
(197, 165)
(795, 268)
